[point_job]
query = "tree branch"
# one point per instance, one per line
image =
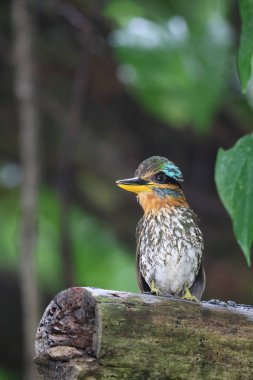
(94, 333)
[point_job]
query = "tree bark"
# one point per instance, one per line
(88, 333)
(29, 125)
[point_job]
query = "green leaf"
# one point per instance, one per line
(168, 56)
(122, 11)
(234, 181)
(246, 43)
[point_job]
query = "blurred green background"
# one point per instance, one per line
(118, 81)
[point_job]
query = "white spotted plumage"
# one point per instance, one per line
(169, 245)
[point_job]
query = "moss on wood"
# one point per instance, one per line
(88, 333)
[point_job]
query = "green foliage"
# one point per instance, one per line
(7, 375)
(234, 180)
(49, 262)
(8, 231)
(99, 260)
(174, 55)
(48, 255)
(246, 43)
(234, 167)
(168, 53)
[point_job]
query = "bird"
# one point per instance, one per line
(169, 254)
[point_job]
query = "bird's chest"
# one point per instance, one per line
(168, 253)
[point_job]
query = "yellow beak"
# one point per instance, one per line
(135, 185)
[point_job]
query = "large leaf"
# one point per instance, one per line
(173, 55)
(246, 42)
(234, 180)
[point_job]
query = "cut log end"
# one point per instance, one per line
(67, 327)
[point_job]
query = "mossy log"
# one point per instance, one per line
(88, 333)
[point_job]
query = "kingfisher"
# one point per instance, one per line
(169, 241)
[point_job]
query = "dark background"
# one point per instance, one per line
(96, 127)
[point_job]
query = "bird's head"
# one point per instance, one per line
(157, 183)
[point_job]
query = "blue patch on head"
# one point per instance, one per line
(171, 170)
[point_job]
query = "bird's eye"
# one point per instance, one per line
(160, 177)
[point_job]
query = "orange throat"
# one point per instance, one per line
(151, 202)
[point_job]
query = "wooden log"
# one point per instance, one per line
(88, 333)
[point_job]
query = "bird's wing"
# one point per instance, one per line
(144, 287)
(194, 237)
(198, 287)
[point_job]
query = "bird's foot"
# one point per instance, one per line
(188, 296)
(153, 288)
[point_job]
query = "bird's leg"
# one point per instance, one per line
(188, 296)
(153, 288)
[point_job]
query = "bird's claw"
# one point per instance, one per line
(188, 296)
(153, 288)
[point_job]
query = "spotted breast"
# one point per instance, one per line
(169, 249)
